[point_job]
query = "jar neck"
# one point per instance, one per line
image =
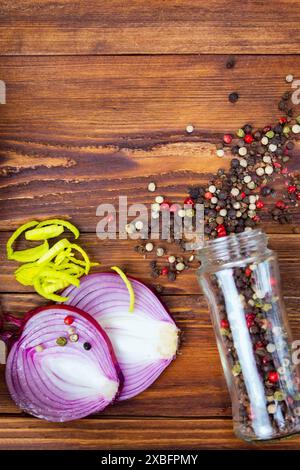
(234, 247)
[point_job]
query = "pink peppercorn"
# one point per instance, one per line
(189, 201)
(292, 189)
(165, 206)
(248, 138)
(260, 204)
(280, 205)
(174, 208)
(273, 377)
(224, 324)
(227, 138)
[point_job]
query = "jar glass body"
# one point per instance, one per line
(240, 279)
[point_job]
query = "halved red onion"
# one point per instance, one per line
(145, 341)
(62, 383)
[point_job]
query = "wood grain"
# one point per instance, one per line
(125, 98)
(121, 253)
(85, 123)
(149, 27)
(117, 433)
(101, 125)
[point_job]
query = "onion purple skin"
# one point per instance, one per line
(64, 408)
(105, 297)
(9, 336)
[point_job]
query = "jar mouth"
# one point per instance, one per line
(234, 246)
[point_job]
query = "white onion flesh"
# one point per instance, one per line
(145, 341)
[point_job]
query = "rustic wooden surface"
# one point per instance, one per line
(98, 97)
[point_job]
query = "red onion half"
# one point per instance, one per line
(145, 341)
(62, 383)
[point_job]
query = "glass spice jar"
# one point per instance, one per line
(240, 278)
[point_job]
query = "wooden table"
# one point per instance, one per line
(99, 94)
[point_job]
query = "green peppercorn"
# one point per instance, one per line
(270, 134)
(236, 370)
(225, 332)
(240, 133)
(279, 396)
(61, 341)
(267, 307)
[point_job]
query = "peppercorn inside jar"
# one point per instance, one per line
(240, 278)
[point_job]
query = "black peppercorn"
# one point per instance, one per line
(235, 149)
(257, 135)
(87, 346)
(222, 195)
(247, 128)
(233, 97)
(235, 163)
(278, 129)
(171, 276)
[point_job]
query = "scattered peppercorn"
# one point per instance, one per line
(230, 198)
(61, 341)
(273, 377)
(289, 78)
(69, 320)
(172, 276)
(151, 187)
(224, 323)
(189, 128)
(74, 338)
(233, 97)
(227, 138)
(87, 346)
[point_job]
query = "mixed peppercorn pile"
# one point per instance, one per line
(234, 200)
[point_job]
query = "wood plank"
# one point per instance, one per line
(108, 434)
(152, 27)
(76, 132)
(122, 253)
(133, 95)
(192, 386)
